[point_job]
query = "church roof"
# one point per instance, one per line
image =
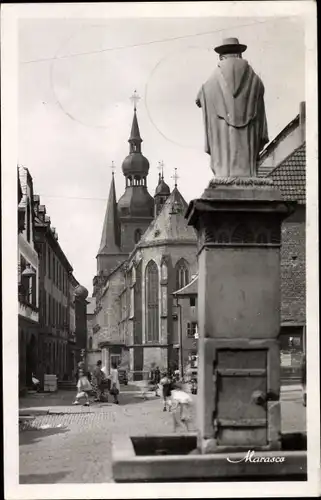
(111, 232)
(289, 176)
(162, 188)
(170, 223)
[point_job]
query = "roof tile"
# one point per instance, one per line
(289, 176)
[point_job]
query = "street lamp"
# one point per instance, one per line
(28, 272)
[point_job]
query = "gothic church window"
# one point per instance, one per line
(182, 274)
(152, 303)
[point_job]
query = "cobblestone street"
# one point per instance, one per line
(75, 447)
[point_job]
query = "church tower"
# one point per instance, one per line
(162, 192)
(136, 206)
(109, 253)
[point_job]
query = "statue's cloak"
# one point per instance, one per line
(233, 98)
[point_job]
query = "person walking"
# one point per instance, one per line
(166, 384)
(97, 381)
(83, 388)
(157, 379)
(151, 378)
(114, 383)
(105, 384)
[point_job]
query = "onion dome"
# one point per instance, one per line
(81, 292)
(135, 163)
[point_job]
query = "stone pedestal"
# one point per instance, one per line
(239, 236)
(238, 407)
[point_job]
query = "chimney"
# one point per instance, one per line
(302, 120)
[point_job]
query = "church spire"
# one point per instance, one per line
(135, 166)
(135, 139)
(110, 238)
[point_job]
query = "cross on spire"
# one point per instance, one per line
(135, 98)
(161, 169)
(113, 168)
(175, 176)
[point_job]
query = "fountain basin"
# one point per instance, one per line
(174, 458)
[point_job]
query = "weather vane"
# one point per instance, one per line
(161, 169)
(135, 98)
(175, 176)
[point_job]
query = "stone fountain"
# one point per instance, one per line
(238, 221)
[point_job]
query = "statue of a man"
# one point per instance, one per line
(232, 101)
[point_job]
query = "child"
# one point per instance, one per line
(83, 387)
(182, 403)
(166, 384)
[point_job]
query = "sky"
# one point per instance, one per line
(75, 79)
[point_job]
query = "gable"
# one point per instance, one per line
(170, 224)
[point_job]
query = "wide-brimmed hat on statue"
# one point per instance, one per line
(230, 46)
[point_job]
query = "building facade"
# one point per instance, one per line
(62, 315)
(54, 276)
(187, 324)
(284, 160)
(28, 281)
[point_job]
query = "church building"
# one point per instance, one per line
(144, 305)
(147, 251)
